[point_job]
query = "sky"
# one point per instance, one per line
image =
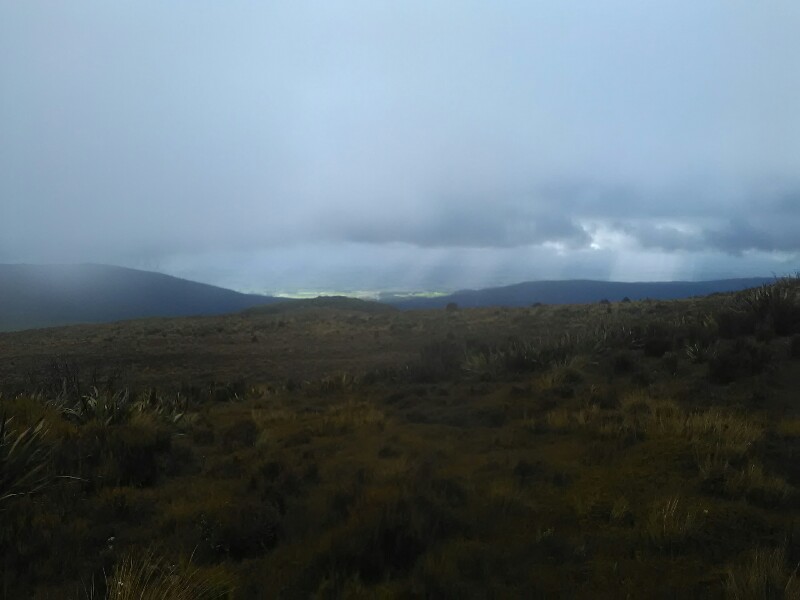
(407, 145)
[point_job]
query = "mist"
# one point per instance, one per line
(376, 145)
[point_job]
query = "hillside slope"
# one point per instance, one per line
(643, 449)
(34, 296)
(576, 291)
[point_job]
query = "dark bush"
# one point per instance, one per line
(670, 361)
(525, 472)
(794, 347)
(657, 340)
(768, 310)
(390, 546)
(775, 307)
(739, 358)
(732, 324)
(438, 361)
(624, 362)
(275, 482)
(242, 434)
(656, 347)
(605, 398)
(244, 530)
(118, 455)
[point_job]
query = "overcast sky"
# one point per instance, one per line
(278, 146)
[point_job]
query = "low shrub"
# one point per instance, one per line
(624, 362)
(794, 347)
(243, 530)
(775, 305)
(736, 359)
(438, 361)
(241, 434)
(657, 340)
(103, 456)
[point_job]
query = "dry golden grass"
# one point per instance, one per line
(763, 575)
(148, 576)
(673, 521)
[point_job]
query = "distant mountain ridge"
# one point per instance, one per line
(576, 291)
(33, 296)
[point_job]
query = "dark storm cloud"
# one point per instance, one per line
(663, 237)
(766, 222)
(738, 236)
(478, 225)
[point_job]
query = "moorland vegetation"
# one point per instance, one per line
(633, 449)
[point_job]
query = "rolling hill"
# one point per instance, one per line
(575, 291)
(33, 296)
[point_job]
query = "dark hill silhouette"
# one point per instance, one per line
(322, 302)
(34, 296)
(576, 291)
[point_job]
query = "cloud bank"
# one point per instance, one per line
(580, 135)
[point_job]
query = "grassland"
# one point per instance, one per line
(637, 449)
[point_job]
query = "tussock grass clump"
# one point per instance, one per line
(519, 356)
(561, 420)
(763, 575)
(621, 513)
(716, 429)
(147, 576)
(672, 524)
(757, 485)
(338, 383)
(750, 482)
(726, 432)
(24, 459)
(344, 417)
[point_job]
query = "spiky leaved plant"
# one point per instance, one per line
(777, 304)
(24, 459)
(105, 407)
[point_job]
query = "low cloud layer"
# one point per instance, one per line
(460, 136)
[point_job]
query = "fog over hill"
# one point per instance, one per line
(33, 296)
(50, 295)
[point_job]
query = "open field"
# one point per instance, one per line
(642, 450)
